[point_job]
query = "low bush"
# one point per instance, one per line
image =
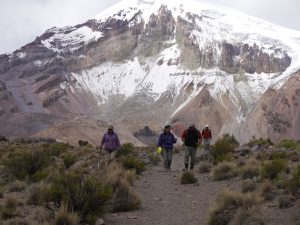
(133, 163)
(188, 178)
(268, 191)
(223, 149)
(83, 143)
(246, 217)
(294, 183)
(248, 187)
(271, 169)
(125, 150)
(205, 167)
(17, 186)
(288, 144)
(63, 217)
(154, 159)
(69, 160)
(224, 170)
(250, 170)
(86, 195)
(10, 207)
(227, 205)
(285, 201)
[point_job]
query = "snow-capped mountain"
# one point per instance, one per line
(147, 63)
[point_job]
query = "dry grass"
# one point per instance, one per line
(205, 167)
(248, 187)
(268, 191)
(188, 178)
(285, 201)
(63, 217)
(246, 217)
(224, 170)
(17, 186)
(251, 169)
(228, 204)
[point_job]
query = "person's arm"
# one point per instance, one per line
(159, 141)
(117, 141)
(183, 136)
(199, 137)
(102, 142)
(210, 136)
(174, 139)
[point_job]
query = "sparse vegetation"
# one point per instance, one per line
(69, 159)
(83, 143)
(268, 190)
(228, 205)
(188, 178)
(154, 159)
(223, 149)
(125, 150)
(205, 167)
(294, 183)
(272, 168)
(248, 187)
(250, 170)
(289, 144)
(17, 186)
(133, 163)
(224, 170)
(63, 217)
(285, 201)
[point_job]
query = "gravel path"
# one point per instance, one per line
(167, 202)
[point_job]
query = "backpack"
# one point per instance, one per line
(191, 137)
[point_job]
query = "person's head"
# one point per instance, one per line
(192, 126)
(167, 129)
(110, 129)
(206, 126)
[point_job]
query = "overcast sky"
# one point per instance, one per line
(22, 20)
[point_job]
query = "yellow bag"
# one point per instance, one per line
(158, 151)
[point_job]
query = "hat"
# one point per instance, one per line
(110, 127)
(206, 125)
(167, 126)
(191, 125)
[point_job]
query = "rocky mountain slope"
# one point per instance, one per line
(147, 63)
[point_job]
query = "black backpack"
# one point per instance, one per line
(191, 137)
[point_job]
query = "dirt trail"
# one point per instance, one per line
(167, 202)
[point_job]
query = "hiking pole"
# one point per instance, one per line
(98, 164)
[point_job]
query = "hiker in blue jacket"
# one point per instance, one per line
(166, 141)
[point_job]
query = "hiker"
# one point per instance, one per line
(166, 141)
(191, 138)
(206, 134)
(110, 143)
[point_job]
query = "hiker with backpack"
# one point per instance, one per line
(191, 138)
(206, 134)
(166, 141)
(110, 143)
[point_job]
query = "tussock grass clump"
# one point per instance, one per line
(205, 167)
(289, 144)
(154, 159)
(293, 184)
(17, 186)
(37, 194)
(285, 201)
(69, 160)
(63, 217)
(133, 163)
(268, 191)
(250, 170)
(83, 143)
(224, 170)
(246, 217)
(248, 187)
(227, 205)
(188, 178)
(10, 207)
(271, 169)
(125, 150)
(223, 149)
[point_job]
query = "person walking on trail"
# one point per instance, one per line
(191, 138)
(166, 141)
(110, 143)
(206, 134)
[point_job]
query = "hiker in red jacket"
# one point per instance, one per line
(206, 134)
(191, 138)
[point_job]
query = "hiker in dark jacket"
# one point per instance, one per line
(166, 141)
(191, 138)
(206, 134)
(110, 143)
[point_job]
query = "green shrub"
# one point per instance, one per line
(288, 144)
(154, 159)
(39, 175)
(69, 160)
(224, 170)
(23, 163)
(277, 155)
(260, 142)
(133, 163)
(55, 149)
(188, 178)
(86, 195)
(125, 150)
(83, 143)
(250, 170)
(37, 194)
(222, 150)
(294, 183)
(272, 168)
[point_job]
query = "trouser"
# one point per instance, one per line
(167, 156)
(206, 143)
(190, 152)
(109, 156)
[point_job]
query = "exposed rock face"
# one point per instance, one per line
(172, 66)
